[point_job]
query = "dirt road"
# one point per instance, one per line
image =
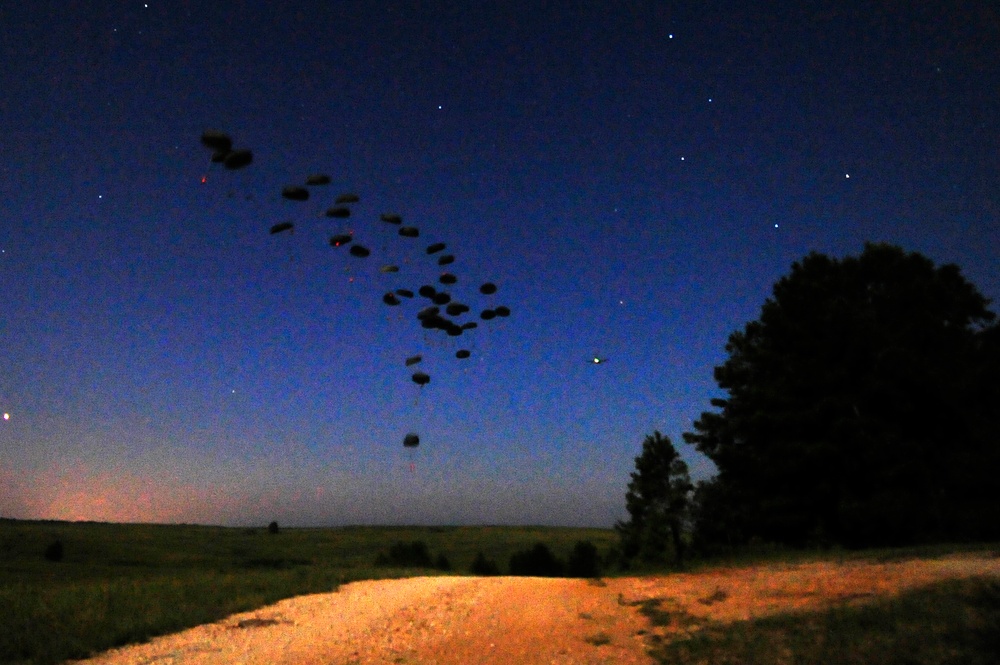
(523, 620)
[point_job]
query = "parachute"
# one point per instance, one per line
(488, 288)
(217, 141)
(283, 226)
(318, 179)
(411, 440)
(340, 212)
(436, 247)
(237, 159)
(295, 193)
(347, 198)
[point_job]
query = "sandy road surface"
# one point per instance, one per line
(522, 620)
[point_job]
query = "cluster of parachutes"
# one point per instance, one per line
(442, 311)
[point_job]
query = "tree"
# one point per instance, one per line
(852, 414)
(583, 561)
(539, 561)
(656, 501)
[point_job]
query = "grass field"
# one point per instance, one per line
(956, 622)
(122, 583)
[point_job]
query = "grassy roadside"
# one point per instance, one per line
(122, 583)
(119, 583)
(956, 622)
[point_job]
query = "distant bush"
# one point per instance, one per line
(483, 566)
(54, 552)
(442, 563)
(536, 562)
(272, 527)
(583, 560)
(406, 555)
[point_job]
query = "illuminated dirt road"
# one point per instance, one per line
(524, 619)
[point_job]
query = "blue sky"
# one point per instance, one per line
(633, 176)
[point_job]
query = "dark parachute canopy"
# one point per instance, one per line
(295, 193)
(411, 440)
(237, 159)
(347, 198)
(216, 140)
(318, 179)
(340, 212)
(283, 226)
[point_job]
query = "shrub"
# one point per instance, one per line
(583, 560)
(54, 552)
(537, 562)
(406, 555)
(272, 528)
(442, 563)
(483, 566)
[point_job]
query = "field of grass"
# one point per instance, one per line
(956, 622)
(119, 583)
(123, 583)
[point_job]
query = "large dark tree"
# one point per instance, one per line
(656, 501)
(861, 406)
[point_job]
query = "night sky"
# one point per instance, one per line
(634, 176)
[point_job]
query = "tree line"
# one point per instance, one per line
(862, 409)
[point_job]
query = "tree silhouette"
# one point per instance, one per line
(657, 502)
(856, 410)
